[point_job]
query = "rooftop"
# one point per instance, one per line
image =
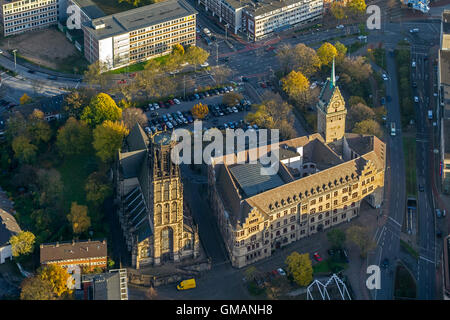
(72, 250)
(139, 18)
(103, 286)
(444, 57)
(260, 7)
(90, 8)
(8, 224)
(446, 21)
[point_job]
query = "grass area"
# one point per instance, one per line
(405, 286)
(378, 55)
(403, 65)
(409, 150)
(328, 266)
(409, 249)
(138, 66)
(74, 172)
(355, 46)
(74, 64)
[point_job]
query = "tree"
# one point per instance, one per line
(326, 53)
(15, 126)
(285, 58)
(74, 137)
(74, 103)
(357, 7)
(337, 10)
(108, 139)
(25, 99)
(300, 267)
(58, 278)
(177, 54)
(232, 98)
(362, 238)
(355, 100)
(357, 113)
(221, 73)
(296, 85)
(24, 150)
(336, 237)
(306, 60)
(97, 188)
(22, 243)
(196, 55)
(79, 218)
(38, 129)
(50, 187)
(370, 127)
(341, 51)
(35, 288)
(94, 75)
(131, 116)
(200, 110)
(102, 107)
(250, 273)
(357, 69)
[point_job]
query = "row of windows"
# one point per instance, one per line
(161, 25)
(15, 22)
(29, 25)
(156, 32)
(30, 13)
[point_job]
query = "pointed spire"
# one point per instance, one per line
(333, 77)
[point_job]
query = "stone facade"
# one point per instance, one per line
(156, 222)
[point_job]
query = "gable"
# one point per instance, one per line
(336, 103)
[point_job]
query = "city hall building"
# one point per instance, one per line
(321, 181)
(139, 34)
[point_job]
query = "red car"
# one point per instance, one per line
(132, 75)
(171, 102)
(161, 104)
(317, 257)
(263, 85)
(122, 81)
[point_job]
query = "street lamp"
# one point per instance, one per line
(14, 51)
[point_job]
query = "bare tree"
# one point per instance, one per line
(131, 116)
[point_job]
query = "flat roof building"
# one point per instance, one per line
(139, 34)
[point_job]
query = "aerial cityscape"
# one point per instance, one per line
(251, 150)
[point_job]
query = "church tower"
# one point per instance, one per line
(167, 200)
(331, 111)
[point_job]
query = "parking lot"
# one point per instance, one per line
(168, 116)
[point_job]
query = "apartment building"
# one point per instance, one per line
(444, 101)
(261, 18)
(26, 15)
(321, 181)
(139, 34)
(84, 254)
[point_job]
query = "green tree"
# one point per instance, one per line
(38, 129)
(58, 278)
(74, 103)
(357, 113)
(102, 107)
(15, 126)
(97, 188)
(50, 187)
(232, 98)
(370, 127)
(296, 85)
(108, 139)
(35, 288)
(355, 100)
(300, 267)
(23, 149)
(362, 238)
(74, 137)
(326, 53)
(336, 237)
(200, 110)
(22, 243)
(79, 218)
(196, 55)
(341, 51)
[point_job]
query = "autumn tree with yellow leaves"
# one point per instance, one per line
(108, 139)
(200, 110)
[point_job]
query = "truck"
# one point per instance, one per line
(392, 128)
(186, 284)
(207, 32)
(430, 114)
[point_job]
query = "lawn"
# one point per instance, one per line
(137, 66)
(405, 286)
(409, 150)
(74, 172)
(328, 266)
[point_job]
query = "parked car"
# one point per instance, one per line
(339, 26)
(438, 213)
(281, 271)
(330, 252)
(385, 263)
(385, 77)
(317, 256)
(421, 189)
(204, 65)
(196, 96)
(176, 101)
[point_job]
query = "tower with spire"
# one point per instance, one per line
(331, 110)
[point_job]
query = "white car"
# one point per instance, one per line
(415, 30)
(281, 271)
(339, 26)
(235, 110)
(416, 99)
(176, 101)
(156, 106)
(204, 65)
(385, 77)
(413, 64)
(169, 125)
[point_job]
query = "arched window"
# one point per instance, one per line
(166, 213)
